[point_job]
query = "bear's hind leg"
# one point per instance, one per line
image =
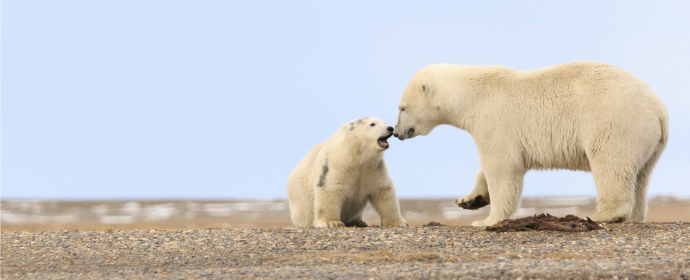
(302, 215)
(621, 161)
(478, 197)
(301, 203)
(615, 184)
(639, 212)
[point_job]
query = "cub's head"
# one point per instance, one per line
(418, 111)
(369, 132)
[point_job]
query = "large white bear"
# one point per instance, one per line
(333, 183)
(585, 116)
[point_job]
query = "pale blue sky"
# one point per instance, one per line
(221, 99)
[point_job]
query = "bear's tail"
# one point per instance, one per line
(663, 121)
(663, 140)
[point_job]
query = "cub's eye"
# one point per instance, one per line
(402, 109)
(372, 124)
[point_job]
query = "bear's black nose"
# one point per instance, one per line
(390, 128)
(395, 134)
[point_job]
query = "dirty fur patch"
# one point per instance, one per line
(324, 170)
(357, 121)
(546, 222)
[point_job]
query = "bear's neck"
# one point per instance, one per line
(478, 84)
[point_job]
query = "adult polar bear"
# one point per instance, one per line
(585, 116)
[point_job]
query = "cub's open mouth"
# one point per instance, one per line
(383, 141)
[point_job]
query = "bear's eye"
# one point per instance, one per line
(402, 109)
(372, 124)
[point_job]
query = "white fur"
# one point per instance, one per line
(585, 116)
(333, 183)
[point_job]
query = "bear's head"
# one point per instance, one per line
(372, 133)
(419, 112)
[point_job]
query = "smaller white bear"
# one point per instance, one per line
(333, 183)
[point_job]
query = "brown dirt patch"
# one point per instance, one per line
(546, 222)
(434, 224)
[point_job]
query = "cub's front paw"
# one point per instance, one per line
(472, 203)
(357, 223)
(396, 223)
(330, 224)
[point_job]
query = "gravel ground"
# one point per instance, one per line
(635, 251)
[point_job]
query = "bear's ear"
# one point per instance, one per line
(347, 127)
(426, 89)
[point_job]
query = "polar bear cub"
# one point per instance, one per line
(581, 115)
(333, 183)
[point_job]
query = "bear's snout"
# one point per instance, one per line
(390, 128)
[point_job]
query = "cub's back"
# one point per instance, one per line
(301, 175)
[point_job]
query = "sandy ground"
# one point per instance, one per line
(234, 239)
(37, 215)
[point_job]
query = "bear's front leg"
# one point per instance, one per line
(505, 185)
(386, 204)
(327, 207)
(478, 197)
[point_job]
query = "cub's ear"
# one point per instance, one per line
(347, 127)
(426, 89)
